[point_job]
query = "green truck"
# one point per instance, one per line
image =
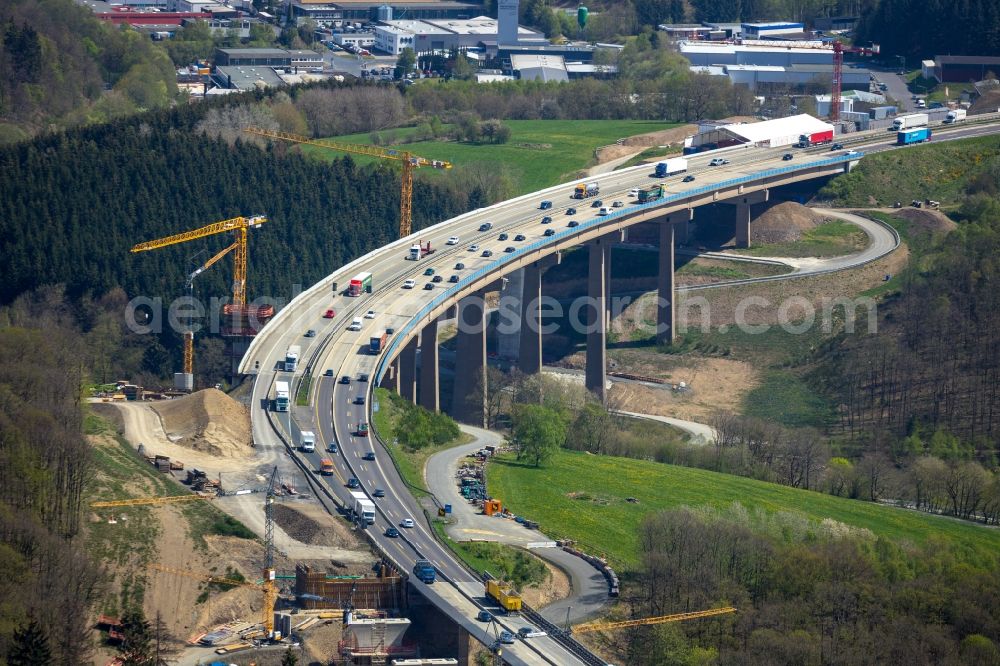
(651, 194)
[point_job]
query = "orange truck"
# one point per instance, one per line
(326, 467)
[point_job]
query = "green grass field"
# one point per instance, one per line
(939, 171)
(542, 152)
(602, 521)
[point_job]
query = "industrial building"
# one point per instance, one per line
(756, 53)
(444, 35)
(365, 11)
(772, 29)
(767, 134)
(836, 23)
(761, 63)
(281, 58)
(963, 69)
(853, 100)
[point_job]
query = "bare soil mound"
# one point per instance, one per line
(783, 223)
(309, 525)
(208, 421)
(987, 103)
(662, 137)
(927, 221)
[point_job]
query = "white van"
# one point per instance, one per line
(604, 211)
(307, 441)
(355, 324)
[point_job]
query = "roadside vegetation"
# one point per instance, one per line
(946, 172)
(412, 434)
(513, 565)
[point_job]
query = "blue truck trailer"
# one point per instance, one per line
(915, 135)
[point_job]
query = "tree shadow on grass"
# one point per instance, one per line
(507, 462)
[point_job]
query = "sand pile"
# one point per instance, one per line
(208, 421)
(783, 223)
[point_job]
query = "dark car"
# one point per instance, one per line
(787, 156)
(549, 232)
(571, 211)
(310, 333)
(502, 237)
(509, 249)
(485, 226)
(545, 205)
(573, 223)
(519, 237)
(597, 203)
(688, 178)
(837, 146)
(453, 279)
(363, 377)
(546, 219)
(428, 286)
(328, 373)
(378, 492)
(346, 379)
(392, 533)
(487, 253)
(360, 400)
(369, 456)
(429, 271)
(437, 278)
(484, 616)
(459, 266)
(353, 483)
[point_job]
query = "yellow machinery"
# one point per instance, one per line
(170, 499)
(663, 619)
(509, 600)
(237, 225)
(267, 611)
(268, 586)
(408, 159)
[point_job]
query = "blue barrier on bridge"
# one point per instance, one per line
(583, 226)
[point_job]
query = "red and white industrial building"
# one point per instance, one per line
(766, 134)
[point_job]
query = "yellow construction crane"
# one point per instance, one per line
(268, 586)
(663, 619)
(408, 159)
(237, 225)
(169, 499)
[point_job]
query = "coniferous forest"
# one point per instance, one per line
(75, 203)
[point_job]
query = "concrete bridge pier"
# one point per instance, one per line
(682, 226)
(743, 215)
(597, 324)
(469, 399)
(665, 312)
(529, 354)
(430, 385)
(407, 360)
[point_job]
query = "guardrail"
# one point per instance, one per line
(480, 273)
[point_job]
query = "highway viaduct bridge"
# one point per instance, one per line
(465, 300)
(415, 313)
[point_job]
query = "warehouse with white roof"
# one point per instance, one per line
(766, 134)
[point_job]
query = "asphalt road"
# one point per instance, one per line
(589, 590)
(334, 416)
